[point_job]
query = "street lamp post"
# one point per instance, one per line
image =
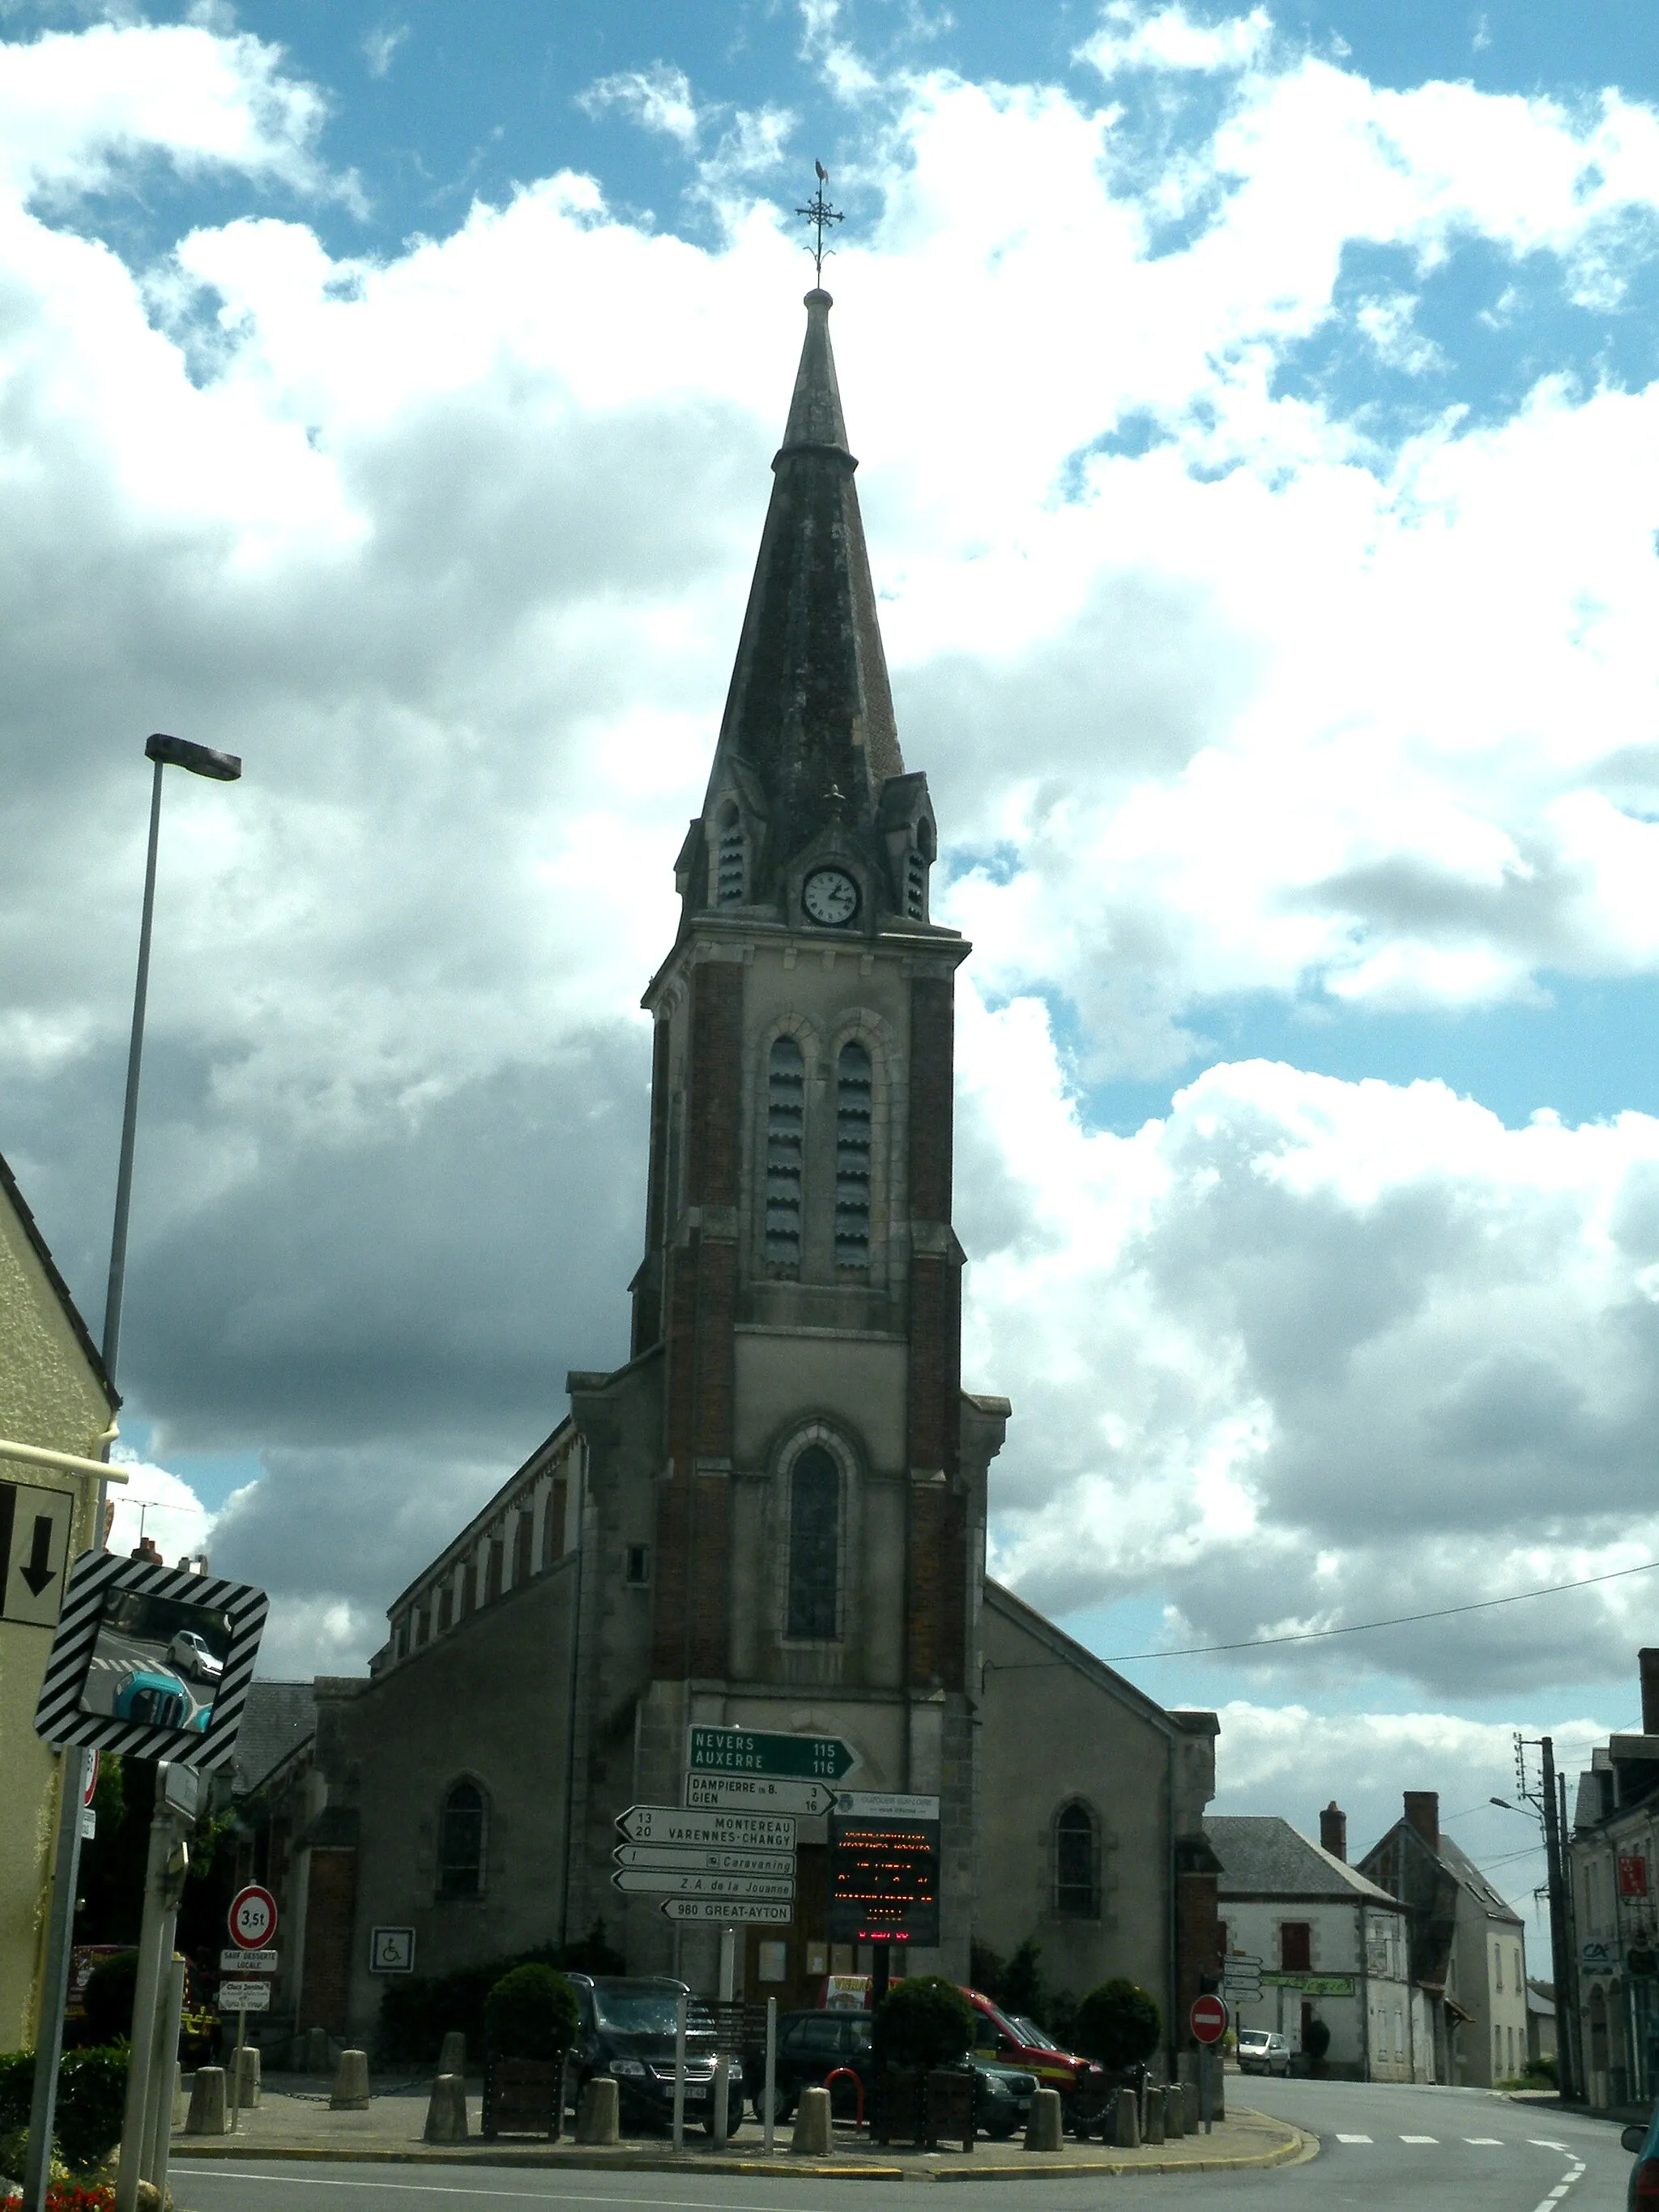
(223, 767)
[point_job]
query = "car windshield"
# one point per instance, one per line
(1030, 2033)
(1253, 2035)
(635, 2009)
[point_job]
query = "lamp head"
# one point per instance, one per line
(200, 760)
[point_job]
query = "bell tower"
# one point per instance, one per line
(789, 1447)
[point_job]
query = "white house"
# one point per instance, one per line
(1331, 1946)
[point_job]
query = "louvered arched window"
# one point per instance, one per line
(854, 1101)
(785, 1138)
(1077, 1864)
(814, 1546)
(729, 869)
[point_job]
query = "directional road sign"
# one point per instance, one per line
(1209, 2019)
(757, 1793)
(711, 1908)
(253, 1917)
(712, 1860)
(660, 1882)
(668, 1824)
(34, 1549)
(752, 1751)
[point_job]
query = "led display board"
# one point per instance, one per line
(883, 1879)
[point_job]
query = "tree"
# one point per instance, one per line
(923, 2020)
(531, 2013)
(1119, 2025)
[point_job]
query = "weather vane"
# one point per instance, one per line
(818, 212)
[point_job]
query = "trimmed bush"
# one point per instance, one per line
(110, 1987)
(1118, 2024)
(92, 2089)
(418, 2010)
(923, 2020)
(530, 2013)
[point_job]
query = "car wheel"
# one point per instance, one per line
(781, 2107)
(999, 2130)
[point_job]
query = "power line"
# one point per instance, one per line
(1395, 1621)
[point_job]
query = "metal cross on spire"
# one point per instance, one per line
(818, 212)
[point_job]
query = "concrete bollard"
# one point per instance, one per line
(811, 2137)
(446, 2112)
(1156, 2116)
(598, 2119)
(247, 2079)
(1042, 2128)
(1126, 2121)
(317, 2051)
(1175, 2112)
(452, 2059)
(350, 2090)
(208, 2108)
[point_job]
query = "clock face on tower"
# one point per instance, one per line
(831, 896)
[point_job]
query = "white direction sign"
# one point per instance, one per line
(757, 1793)
(245, 1997)
(658, 1882)
(668, 1824)
(668, 1860)
(710, 1908)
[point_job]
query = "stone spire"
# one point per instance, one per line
(808, 731)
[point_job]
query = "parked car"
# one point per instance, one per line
(190, 1654)
(1641, 2139)
(1261, 2052)
(811, 2045)
(1002, 2040)
(626, 2029)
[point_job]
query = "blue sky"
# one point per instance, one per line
(1261, 463)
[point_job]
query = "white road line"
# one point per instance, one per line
(1427, 2139)
(1562, 2191)
(1485, 2142)
(1543, 2143)
(1353, 2139)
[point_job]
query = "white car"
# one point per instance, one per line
(190, 1655)
(1261, 2052)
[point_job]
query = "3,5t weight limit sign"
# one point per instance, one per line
(253, 1917)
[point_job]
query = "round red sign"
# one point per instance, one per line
(1209, 2019)
(253, 1917)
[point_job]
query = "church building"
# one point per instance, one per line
(772, 1514)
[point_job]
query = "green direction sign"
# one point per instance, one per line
(749, 1751)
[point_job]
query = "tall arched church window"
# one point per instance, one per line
(785, 1138)
(1077, 1864)
(814, 1546)
(461, 1842)
(855, 1098)
(729, 869)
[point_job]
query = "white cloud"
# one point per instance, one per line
(381, 46)
(1134, 36)
(658, 99)
(162, 1506)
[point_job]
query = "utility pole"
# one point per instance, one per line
(1548, 1800)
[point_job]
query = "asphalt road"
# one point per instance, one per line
(114, 1657)
(1381, 2146)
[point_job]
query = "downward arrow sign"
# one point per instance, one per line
(38, 1573)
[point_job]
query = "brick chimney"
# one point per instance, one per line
(1334, 1831)
(1423, 1813)
(1648, 1663)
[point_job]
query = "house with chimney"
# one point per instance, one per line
(1612, 1855)
(1468, 1948)
(1327, 1944)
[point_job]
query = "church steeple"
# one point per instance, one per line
(808, 746)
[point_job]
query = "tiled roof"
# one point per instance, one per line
(1462, 1869)
(1262, 1856)
(277, 1718)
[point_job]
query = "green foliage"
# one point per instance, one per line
(1019, 1985)
(110, 1987)
(530, 2013)
(923, 2020)
(1119, 2025)
(92, 2088)
(418, 2010)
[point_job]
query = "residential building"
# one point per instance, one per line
(1467, 1946)
(1329, 1944)
(1613, 1860)
(772, 1514)
(54, 1394)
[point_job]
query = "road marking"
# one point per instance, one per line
(1427, 2139)
(1485, 2142)
(230, 2173)
(1353, 2139)
(1543, 2143)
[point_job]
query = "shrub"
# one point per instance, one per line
(923, 2020)
(530, 2013)
(111, 1988)
(1119, 2025)
(417, 2011)
(92, 2089)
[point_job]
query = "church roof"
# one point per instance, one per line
(810, 715)
(1262, 1856)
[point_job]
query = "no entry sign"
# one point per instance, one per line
(253, 1917)
(1209, 2019)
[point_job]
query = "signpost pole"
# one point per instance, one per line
(680, 2002)
(54, 1993)
(771, 2070)
(169, 1857)
(722, 2060)
(164, 2075)
(236, 2075)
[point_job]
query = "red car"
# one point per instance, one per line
(1016, 2041)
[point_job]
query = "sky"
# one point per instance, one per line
(1258, 444)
